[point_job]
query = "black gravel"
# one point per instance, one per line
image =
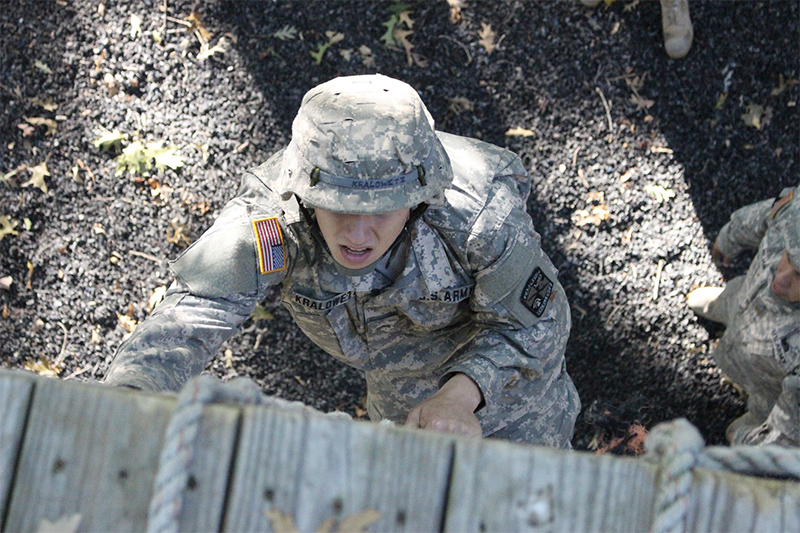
(94, 247)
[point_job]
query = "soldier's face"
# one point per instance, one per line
(357, 241)
(786, 283)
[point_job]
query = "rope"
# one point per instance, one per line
(678, 447)
(172, 478)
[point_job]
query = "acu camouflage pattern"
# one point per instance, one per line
(760, 350)
(466, 288)
(364, 144)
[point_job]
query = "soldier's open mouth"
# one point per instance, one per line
(355, 255)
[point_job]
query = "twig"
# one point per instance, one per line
(658, 278)
(608, 109)
(62, 354)
(146, 256)
(164, 25)
(462, 45)
(575, 156)
(78, 372)
(178, 21)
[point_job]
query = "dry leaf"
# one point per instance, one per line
(782, 85)
(127, 323)
(359, 522)
(96, 334)
(402, 37)
(460, 104)
(753, 115)
(136, 26)
(520, 132)
(626, 239)
(641, 103)
(156, 297)
(65, 524)
(7, 226)
(597, 215)
(228, 358)
(27, 130)
(43, 367)
(405, 18)
(37, 177)
(487, 38)
(455, 10)
(596, 196)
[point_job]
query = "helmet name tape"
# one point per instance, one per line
(316, 175)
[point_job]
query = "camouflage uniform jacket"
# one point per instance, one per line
(466, 288)
(760, 349)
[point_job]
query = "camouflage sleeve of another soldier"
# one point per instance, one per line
(216, 289)
(744, 231)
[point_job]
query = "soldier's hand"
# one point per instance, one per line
(451, 409)
(719, 258)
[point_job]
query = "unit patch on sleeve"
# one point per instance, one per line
(271, 250)
(536, 293)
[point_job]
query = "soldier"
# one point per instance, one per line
(760, 350)
(404, 252)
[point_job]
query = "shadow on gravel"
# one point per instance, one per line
(556, 59)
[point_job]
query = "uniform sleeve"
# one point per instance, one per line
(176, 342)
(518, 303)
(219, 279)
(745, 229)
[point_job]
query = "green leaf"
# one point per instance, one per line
(388, 37)
(259, 313)
(110, 140)
(165, 157)
(135, 159)
(321, 49)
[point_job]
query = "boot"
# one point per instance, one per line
(702, 300)
(677, 26)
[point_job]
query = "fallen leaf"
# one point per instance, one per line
(96, 334)
(455, 10)
(197, 26)
(43, 367)
(782, 85)
(110, 140)
(27, 130)
(65, 524)
(136, 26)
(388, 36)
(596, 196)
(487, 37)
(134, 158)
(39, 121)
(205, 52)
(402, 37)
(460, 104)
(287, 33)
(37, 177)
(597, 215)
(156, 297)
(359, 522)
(7, 226)
(753, 115)
(127, 323)
(520, 132)
(45, 103)
(626, 239)
(405, 18)
(284, 523)
(165, 157)
(179, 236)
(228, 358)
(42, 67)
(259, 313)
(641, 103)
(659, 193)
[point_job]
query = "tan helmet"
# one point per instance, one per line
(364, 145)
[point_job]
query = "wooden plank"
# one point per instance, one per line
(724, 501)
(313, 471)
(15, 395)
(90, 450)
(204, 503)
(501, 486)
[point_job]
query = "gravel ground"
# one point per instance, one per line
(637, 162)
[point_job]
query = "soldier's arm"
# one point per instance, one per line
(744, 231)
(519, 305)
(176, 342)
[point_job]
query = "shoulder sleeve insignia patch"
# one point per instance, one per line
(536, 294)
(779, 204)
(271, 249)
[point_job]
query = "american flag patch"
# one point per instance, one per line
(271, 251)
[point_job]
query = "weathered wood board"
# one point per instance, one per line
(499, 486)
(90, 450)
(15, 395)
(723, 501)
(308, 471)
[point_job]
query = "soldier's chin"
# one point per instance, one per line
(354, 260)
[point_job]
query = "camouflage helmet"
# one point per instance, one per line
(364, 145)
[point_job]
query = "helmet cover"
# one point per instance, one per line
(364, 145)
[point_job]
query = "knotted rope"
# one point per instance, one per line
(172, 478)
(678, 447)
